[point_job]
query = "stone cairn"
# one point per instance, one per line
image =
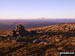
(19, 31)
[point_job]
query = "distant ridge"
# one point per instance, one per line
(10, 24)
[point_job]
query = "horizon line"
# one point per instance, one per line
(35, 18)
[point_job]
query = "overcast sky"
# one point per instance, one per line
(28, 9)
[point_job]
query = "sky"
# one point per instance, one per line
(32, 9)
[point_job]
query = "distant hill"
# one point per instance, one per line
(26, 25)
(10, 24)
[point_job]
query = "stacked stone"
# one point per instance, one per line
(20, 30)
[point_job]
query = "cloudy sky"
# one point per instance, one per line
(28, 9)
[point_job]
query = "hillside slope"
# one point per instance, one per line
(43, 41)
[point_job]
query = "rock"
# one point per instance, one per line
(40, 41)
(18, 31)
(2, 38)
(13, 33)
(36, 41)
(19, 28)
(33, 32)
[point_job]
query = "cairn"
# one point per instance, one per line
(19, 30)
